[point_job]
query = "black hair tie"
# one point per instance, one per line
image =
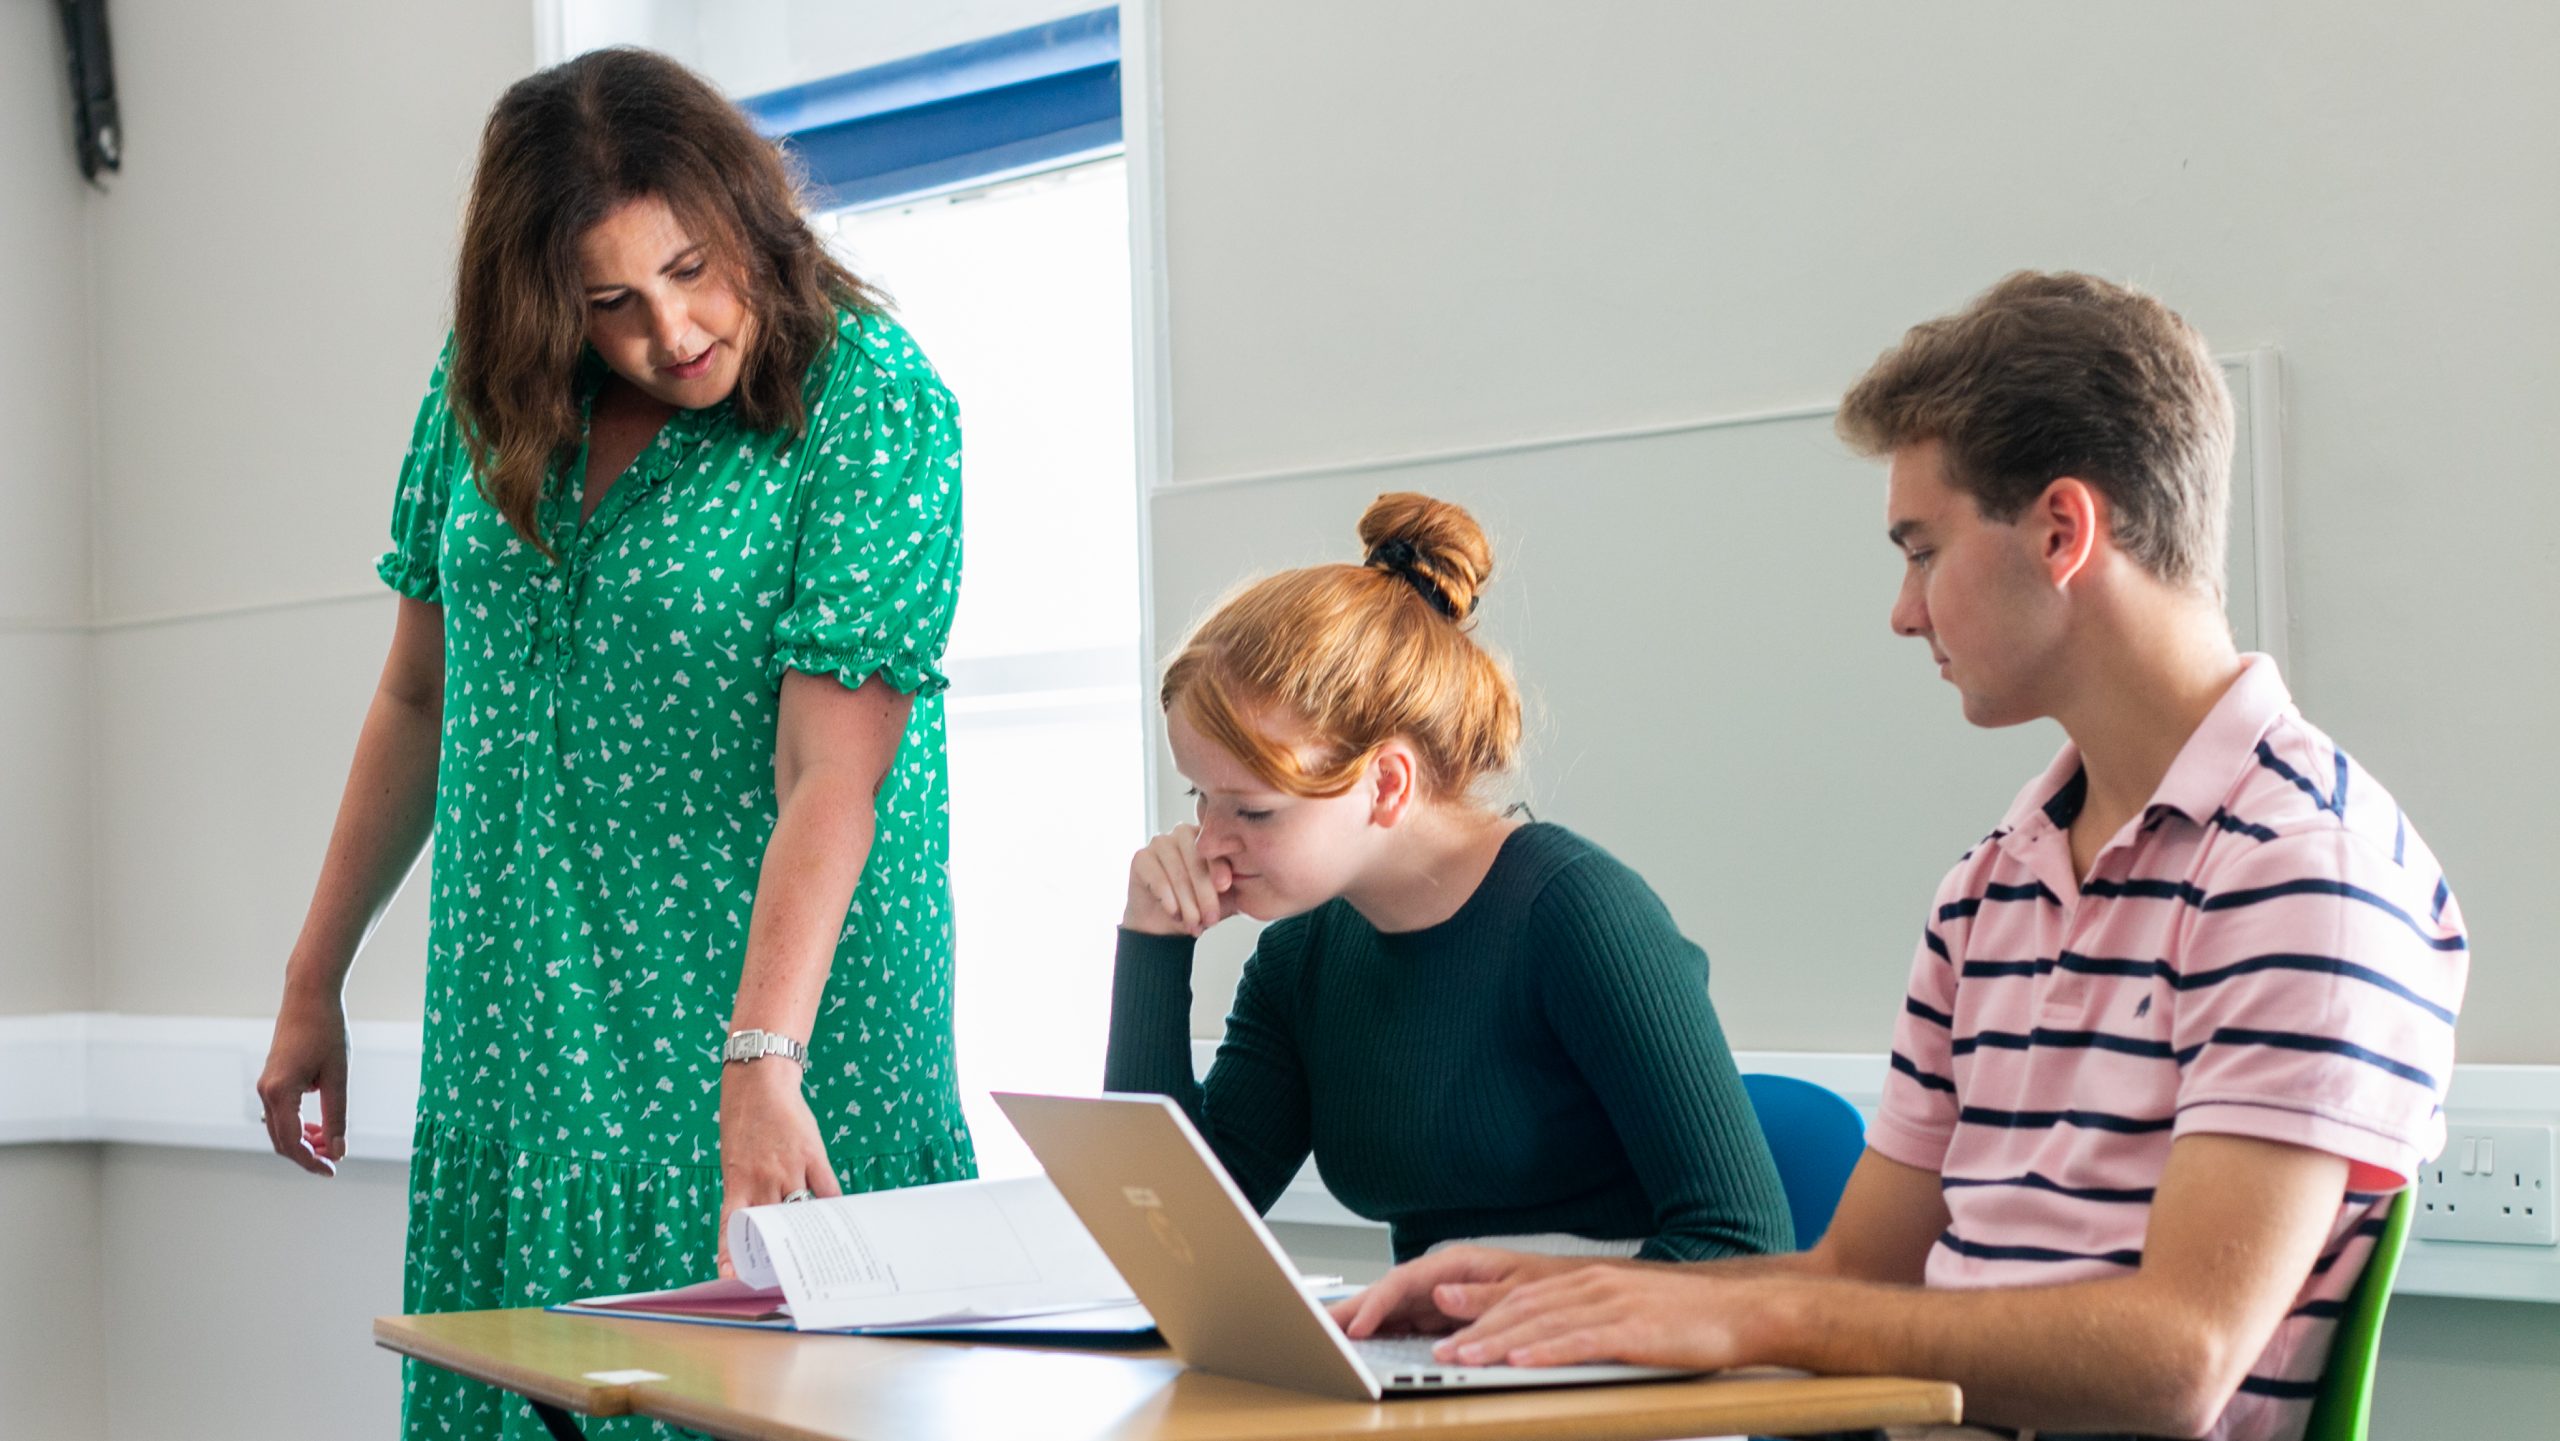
(1398, 557)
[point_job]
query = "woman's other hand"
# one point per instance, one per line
(309, 1053)
(769, 1142)
(1173, 891)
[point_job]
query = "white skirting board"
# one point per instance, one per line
(189, 1081)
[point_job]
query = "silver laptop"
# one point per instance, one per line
(1219, 1287)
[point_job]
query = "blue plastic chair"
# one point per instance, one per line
(1816, 1136)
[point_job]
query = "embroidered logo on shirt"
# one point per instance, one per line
(2142, 1010)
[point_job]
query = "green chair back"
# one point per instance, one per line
(2345, 1403)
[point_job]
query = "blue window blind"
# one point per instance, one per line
(1011, 102)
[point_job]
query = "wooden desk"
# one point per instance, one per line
(747, 1385)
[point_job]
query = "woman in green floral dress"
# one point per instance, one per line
(677, 541)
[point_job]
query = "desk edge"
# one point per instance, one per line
(588, 1398)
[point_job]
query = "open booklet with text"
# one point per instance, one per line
(997, 1254)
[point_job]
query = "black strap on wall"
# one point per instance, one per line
(98, 134)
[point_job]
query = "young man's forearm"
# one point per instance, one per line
(2094, 1355)
(1789, 1265)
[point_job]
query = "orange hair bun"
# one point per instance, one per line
(1344, 658)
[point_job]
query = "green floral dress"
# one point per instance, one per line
(603, 799)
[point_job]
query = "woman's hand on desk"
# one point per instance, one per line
(309, 1053)
(769, 1142)
(1173, 891)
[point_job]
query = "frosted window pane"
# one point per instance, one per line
(1044, 815)
(1021, 296)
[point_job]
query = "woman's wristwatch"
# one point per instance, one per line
(755, 1045)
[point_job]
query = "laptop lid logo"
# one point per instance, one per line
(1159, 1225)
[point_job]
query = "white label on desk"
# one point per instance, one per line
(623, 1378)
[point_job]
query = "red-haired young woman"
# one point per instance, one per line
(1478, 1027)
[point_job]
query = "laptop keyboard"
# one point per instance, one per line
(1403, 1353)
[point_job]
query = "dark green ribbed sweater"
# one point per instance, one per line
(1544, 1060)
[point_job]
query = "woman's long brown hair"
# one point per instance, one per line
(565, 148)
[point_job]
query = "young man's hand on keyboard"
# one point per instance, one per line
(1416, 1298)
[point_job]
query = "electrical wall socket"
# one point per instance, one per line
(2493, 1183)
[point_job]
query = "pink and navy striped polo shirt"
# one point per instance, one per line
(2267, 950)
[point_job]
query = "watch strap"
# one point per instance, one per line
(753, 1044)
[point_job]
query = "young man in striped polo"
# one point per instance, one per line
(2175, 1031)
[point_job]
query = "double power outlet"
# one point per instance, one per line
(2493, 1183)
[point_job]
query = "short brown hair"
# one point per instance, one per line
(566, 147)
(1354, 656)
(2062, 374)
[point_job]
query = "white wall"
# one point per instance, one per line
(213, 814)
(45, 539)
(274, 270)
(44, 794)
(52, 1331)
(1450, 224)
(212, 366)
(1398, 229)
(2467, 1368)
(44, 377)
(51, 1341)
(288, 1273)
